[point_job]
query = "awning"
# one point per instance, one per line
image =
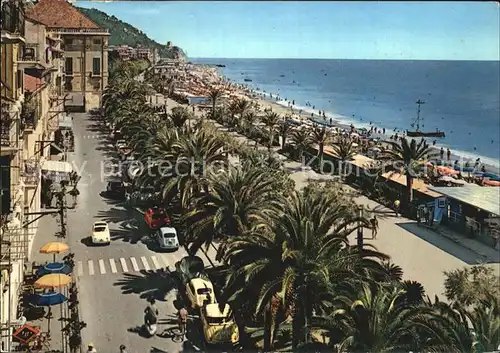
(56, 170)
(65, 121)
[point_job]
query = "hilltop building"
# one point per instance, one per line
(125, 53)
(85, 47)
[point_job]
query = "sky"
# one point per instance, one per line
(320, 30)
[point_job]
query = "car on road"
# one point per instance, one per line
(156, 217)
(116, 188)
(199, 292)
(100, 233)
(190, 267)
(166, 238)
(218, 325)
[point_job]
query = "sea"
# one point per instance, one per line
(462, 98)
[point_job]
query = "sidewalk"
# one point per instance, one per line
(487, 253)
(47, 227)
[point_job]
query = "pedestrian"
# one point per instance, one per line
(91, 348)
(397, 203)
(441, 152)
(374, 223)
(448, 154)
(123, 349)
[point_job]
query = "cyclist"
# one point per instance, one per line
(183, 316)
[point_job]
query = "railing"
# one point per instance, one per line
(31, 172)
(12, 18)
(95, 47)
(79, 30)
(29, 120)
(7, 133)
(30, 52)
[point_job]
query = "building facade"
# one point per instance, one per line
(85, 47)
(32, 80)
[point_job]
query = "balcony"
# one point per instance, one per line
(9, 140)
(32, 57)
(89, 31)
(31, 172)
(12, 24)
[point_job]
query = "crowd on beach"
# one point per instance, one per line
(198, 80)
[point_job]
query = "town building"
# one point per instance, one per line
(12, 235)
(85, 46)
(32, 89)
(125, 53)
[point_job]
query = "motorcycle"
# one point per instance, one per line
(150, 324)
(150, 329)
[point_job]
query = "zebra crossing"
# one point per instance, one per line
(124, 265)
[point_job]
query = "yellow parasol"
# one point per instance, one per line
(54, 280)
(54, 248)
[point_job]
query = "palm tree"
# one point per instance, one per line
(284, 129)
(194, 155)
(237, 199)
(404, 157)
(344, 150)
(249, 119)
(215, 94)
(374, 322)
(300, 256)
(179, 115)
(271, 120)
(321, 137)
(301, 139)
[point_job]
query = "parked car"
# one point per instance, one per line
(166, 238)
(116, 188)
(100, 233)
(199, 292)
(156, 217)
(219, 326)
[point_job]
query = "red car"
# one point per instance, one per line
(156, 217)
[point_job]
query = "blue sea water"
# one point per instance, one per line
(462, 98)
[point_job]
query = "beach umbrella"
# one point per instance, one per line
(446, 171)
(49, 299)
(54, 267)
(54, 247)
(54, 280)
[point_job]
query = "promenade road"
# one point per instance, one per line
(114, 281)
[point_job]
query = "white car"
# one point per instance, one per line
(166, 237)
(100, 233)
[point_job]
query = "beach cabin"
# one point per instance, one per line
(473, 210)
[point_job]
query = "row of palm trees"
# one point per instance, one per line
(288, 264)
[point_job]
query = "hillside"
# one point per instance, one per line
(123, 33)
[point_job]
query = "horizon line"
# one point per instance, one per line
(370, 59)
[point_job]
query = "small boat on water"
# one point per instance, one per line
(416, 123)
(247, 80)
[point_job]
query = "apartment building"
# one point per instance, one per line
(125, 52)
(32, 80)
(12, 249)
(85, 47)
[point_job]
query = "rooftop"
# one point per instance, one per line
(485, 198)
(59, 14)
